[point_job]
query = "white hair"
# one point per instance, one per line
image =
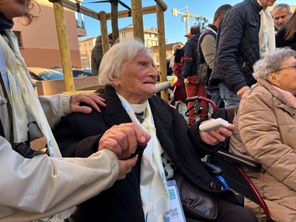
(272, 62)
(117, 57)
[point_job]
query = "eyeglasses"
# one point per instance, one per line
(287, 67)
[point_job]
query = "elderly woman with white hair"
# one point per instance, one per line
(265, 130)
(128, 73)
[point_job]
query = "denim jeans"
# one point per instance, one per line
(229, 97)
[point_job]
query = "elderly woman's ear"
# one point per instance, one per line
(274, 79)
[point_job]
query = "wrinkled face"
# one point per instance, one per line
(136, 83)
(285, 77)
(13, 8)
(280, 16)
(267, 3)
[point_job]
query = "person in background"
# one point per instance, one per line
(97, 54)
(286, 36)
(281, 13)
(189, 72)
(207, 51)
(265, 130)
(129, 75)
(35, 185)
(246, 35)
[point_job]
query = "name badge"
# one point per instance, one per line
(176, 213)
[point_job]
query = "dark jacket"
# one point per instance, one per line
(77, 135)
(190, 57)
(282, 42)
(238, 46)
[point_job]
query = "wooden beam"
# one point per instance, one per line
(138, 29)
(104, 32)
(114, 22)
(127, 13)
(77, 8)
(161, 4)
(162, 50)
(64, 46)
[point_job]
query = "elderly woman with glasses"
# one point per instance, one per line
(128, 73)
(266, 129)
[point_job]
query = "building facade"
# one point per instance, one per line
(85, 48)
(39, 42)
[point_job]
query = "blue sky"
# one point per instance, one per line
(174, 27)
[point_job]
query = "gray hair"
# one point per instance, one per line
(272, 62)
(117, 57)
(282, 6)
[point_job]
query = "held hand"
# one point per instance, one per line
(123, 139)
(125, 166)
(242, 90)
(216, 136)
(92, 99)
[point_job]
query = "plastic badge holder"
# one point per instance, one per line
(213, 124)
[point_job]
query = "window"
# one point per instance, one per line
(18, 35)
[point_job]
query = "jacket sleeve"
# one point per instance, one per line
(227, 61)
(260, 134)
(208, 47)
(43, 186)
(55, 107)
(188, 61)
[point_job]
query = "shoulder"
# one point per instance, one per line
(256, 98)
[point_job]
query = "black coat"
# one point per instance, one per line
(238, 46)
(77, 135)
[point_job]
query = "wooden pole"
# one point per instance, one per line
(137, 15)
(104, 32)
(162, 50)
(114, 21)
(64, 46)
(161, 4)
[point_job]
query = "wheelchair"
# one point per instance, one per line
(231, 165)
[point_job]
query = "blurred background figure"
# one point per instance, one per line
(286, 36)
(207, 51)
(240, 45)
(280, 14)
(189, 72)
(97, 54)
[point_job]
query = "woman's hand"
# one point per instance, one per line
(92, 99)
(216, 136)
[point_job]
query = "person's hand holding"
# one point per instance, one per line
(216, 136)
(123, 139)
(92, 99)
(125, 166)
(242, 90)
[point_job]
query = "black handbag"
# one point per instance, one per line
(197, 204)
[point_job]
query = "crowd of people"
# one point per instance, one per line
(111, 154)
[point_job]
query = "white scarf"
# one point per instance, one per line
(153, 186)
(266, 33)
(21, 95)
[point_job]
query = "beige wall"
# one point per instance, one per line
(86, 47)
(40, 41)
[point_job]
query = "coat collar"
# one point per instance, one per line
(257, 7)
(115, 113)
(279, 99)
